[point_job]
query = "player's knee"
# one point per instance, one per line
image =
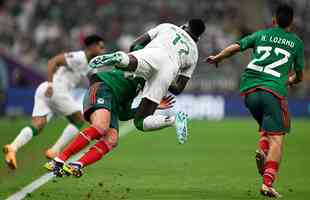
(77, 120)
(111, 138)
(38, 124)
(138, 122)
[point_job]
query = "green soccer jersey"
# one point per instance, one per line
(124, 87)
(275, 53)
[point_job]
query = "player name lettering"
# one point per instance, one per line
(283, 41)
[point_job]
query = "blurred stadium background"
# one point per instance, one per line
(31, 31)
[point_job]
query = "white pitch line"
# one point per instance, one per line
(124, 130)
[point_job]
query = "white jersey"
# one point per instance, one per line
(67, 77)
(178, 44)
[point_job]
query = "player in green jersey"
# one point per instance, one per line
(108, 99)
(264, 82)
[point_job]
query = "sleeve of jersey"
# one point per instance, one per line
(71, 59)
(187, 72)
(154, 31)
(300, 59)
(247, 42)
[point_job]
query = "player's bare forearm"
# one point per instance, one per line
(140, 42)
(53, 64)
(179, 85)
(225, 53)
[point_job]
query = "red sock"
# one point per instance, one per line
(79, 142)
(270, 172)
(95, 153)
(264, 144)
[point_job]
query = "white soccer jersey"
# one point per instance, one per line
(64, 80)
(171, 52)
(67, 77)
(178, 44)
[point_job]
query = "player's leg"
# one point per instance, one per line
(97, 110)
(41, 114)
(103, 146)
(120, 59)
(275, 124)
(76, 122)
(254, 105)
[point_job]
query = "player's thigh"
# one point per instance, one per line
(252, 102)
(276, 117)
(157, 86)
(99, 106)
(41, 105)
(150, 61)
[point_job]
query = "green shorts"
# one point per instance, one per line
(100, 96)
(270, 111)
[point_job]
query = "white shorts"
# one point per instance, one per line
(61, 103)
(156, 67)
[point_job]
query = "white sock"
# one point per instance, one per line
(125, 59)
(23, 138)
(156, 122)
(67, 135)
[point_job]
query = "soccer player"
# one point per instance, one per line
(264, 82)
(108, 99)
(54, 96)
(166, 62)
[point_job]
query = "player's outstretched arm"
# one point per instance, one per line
(140, 42)
(225, 53)
(52, 66)
(179, 85)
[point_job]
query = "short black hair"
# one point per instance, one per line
(284, 15)
(196, 27)
(92, 39)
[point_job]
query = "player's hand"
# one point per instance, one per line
(212, 60)
(49, 91)
(166, 102)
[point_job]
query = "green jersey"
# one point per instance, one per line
(124, 87)
(275, 53)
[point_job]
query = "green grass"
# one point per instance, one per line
(217, 163)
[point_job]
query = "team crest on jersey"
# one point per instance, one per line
(100, 101)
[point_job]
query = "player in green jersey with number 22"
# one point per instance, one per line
(264, 82)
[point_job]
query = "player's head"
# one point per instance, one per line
(94, 44)
(195, 27)
(284, 15)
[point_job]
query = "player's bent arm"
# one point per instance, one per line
(179, 85)
(140, 42)
(296, 78)
(53, 64)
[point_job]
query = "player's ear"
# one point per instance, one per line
(274, 21)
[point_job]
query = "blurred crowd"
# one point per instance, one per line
(32, 31)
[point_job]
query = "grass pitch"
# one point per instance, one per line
(217, 163)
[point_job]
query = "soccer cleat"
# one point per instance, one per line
(50, 154)
(74, 169)
(50, 165)
(10, 156)
(260, 158)
(106, 59)
(269, 192)
(57, 168)
(181, 127)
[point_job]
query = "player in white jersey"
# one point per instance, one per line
(65, 71)
(166, 62)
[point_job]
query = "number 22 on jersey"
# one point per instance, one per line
(269, 69)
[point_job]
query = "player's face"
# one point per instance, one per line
(98, 48)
